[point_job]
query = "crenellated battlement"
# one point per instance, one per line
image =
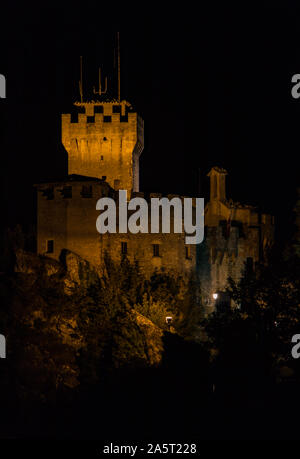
(99, 118)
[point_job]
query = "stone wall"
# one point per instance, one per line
(171, 258)
(70, 221)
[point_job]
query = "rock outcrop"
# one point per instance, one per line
(29, 263)
(153, 338)
(64, 321)
(79, 272)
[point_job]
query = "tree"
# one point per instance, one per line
(255, 337)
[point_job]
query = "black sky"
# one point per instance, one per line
(212, 86)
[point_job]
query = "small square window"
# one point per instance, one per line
(49, 193)
(50, 246)
(155, 250)
(67, 192)
(124, 248)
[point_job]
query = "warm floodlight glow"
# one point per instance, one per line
(215, 296)
(169, 320)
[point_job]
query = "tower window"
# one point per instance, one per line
(90, 119)
(116, 108)
(106, 119)
(101, 157)
(155, 248)
(50, 246)
(124, 248)
(87, 191)
(49, 193)
(74, 117)
(98, 109)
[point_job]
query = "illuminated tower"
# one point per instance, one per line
(104, 139)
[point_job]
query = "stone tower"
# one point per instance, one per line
(217, 184)
(105, 139)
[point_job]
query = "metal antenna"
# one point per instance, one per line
(119, 68)
(80, 81)
(100, 92)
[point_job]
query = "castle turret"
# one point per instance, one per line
(105, 139)
(217, 184)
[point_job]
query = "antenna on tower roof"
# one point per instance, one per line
(119, 67)
(80, 81)
(100, 92)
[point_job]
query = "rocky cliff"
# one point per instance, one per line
(70, 325)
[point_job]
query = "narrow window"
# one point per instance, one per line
(155, 250)
(49, 193)
(124, 248)
(67, 191)
(225, 228)
(101, 158)
(50, 246)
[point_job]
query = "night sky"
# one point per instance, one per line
(214, 88)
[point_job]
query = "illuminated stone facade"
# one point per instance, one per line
(237, 237)
(67, 215)
(105, 139)
(103, 157)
